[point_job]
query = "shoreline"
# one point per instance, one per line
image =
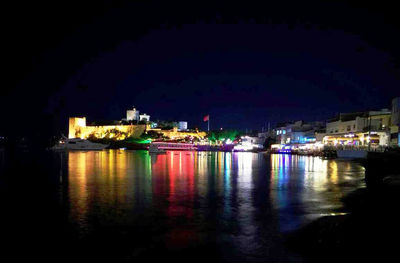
(370, 228)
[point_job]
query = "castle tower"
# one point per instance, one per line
(75, 125)
(132, 115)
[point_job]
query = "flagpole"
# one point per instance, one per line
(208, 122)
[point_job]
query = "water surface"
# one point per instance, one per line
(226, 206)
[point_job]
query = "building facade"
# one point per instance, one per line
(298, 132)
(359, 129)
(395, 127)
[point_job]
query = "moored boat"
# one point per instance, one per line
(153, 148)
(159, 147)
(78, 144)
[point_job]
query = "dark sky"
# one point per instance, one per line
(245, 65)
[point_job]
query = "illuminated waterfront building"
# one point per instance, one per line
(359, 129)
(299, 135)
(394, 129)
(298, 132)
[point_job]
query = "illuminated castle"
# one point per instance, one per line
(79, 129)
(127, 128)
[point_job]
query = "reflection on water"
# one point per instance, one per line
(107, 184)
(304, 188)
(239, 202)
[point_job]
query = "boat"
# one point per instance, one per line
(160, 147)
(153, 148)
(78, 144)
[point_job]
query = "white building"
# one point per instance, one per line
(359, 122)
(360, 128)
(298, 132)
(144, 117)
(182, 125)
(395, 128)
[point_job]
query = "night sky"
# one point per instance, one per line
(245, 65)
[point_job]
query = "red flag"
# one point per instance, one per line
(206, 118)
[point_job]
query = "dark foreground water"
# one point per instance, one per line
(186, 206)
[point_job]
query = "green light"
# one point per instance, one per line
(139, 140)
